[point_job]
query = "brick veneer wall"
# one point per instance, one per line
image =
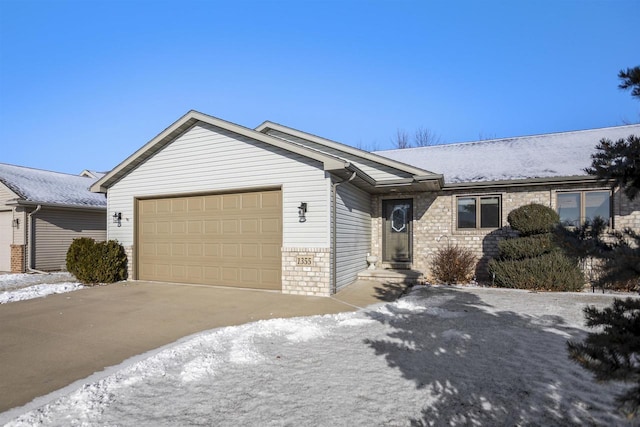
(17, 259)
(434, 223)
(129, 251)
(306, 280)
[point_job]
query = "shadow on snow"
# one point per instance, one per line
(480, 366)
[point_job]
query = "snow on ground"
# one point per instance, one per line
(19, 287)
(439, 356)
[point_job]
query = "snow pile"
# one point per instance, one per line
(20, 287)
(440, 356)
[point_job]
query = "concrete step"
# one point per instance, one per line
(392, 276)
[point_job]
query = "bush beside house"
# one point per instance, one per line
(533, 260)
(453, 264)
(94, 262)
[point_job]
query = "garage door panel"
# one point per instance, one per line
(231, 202)
(250, 251)
(230, 226)
(250, 201)
(270, 226)
(178, 205)
(229, 239)
(163, 206)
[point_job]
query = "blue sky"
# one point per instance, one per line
(84, 84)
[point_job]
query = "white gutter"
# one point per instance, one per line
(334, 208)
(30, 241)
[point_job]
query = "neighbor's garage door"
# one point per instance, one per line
(223, 239)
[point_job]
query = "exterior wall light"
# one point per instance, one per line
(302, 211)
(117, 218)
(15, 223)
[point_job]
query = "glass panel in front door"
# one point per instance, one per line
(396, 234)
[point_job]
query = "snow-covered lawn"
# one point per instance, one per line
(19, 287)
(438, 356)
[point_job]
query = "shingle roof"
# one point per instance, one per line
(45, 187)
(539, 156)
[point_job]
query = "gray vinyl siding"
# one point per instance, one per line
(353, 227)
(375, 170)
(208, 159)
(55, 229)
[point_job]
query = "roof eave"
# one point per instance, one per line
(30, 203)
(575, 179)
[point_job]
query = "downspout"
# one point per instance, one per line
(334, 211)
(30, 241)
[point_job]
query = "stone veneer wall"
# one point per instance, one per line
(434, 223)
(17, 259)
(306, 280)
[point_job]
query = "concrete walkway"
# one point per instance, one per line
(48, 343)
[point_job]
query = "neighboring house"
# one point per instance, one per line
(211, 202)
(41, 212)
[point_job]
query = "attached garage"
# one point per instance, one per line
(210, 202)
(229, 239)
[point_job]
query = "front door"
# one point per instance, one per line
(397, 230)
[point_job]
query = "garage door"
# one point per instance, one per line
(222, 239)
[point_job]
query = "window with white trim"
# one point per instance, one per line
(475, 212)
(577, 207)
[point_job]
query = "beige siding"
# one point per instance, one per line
(55, 229)
(373, 169)
(6, 239)
(353, 227)
(6, 194)
(208, 159)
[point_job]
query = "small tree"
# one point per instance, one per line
(612, 354)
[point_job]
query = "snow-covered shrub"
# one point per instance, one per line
(97, 262)
(533, 260)
(453, 264)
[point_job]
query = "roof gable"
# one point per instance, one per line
(371, 163)
(537, 157)
(37, 186)
(340, 163)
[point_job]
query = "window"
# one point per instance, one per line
(486, 216)
(577, 207)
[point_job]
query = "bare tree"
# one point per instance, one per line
(372, 146)
(402, 139)
(486, 136)
(425, 137)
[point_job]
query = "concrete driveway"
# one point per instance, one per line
(48, 343)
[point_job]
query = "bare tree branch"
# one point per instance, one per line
(425, 137)
(402, 139)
